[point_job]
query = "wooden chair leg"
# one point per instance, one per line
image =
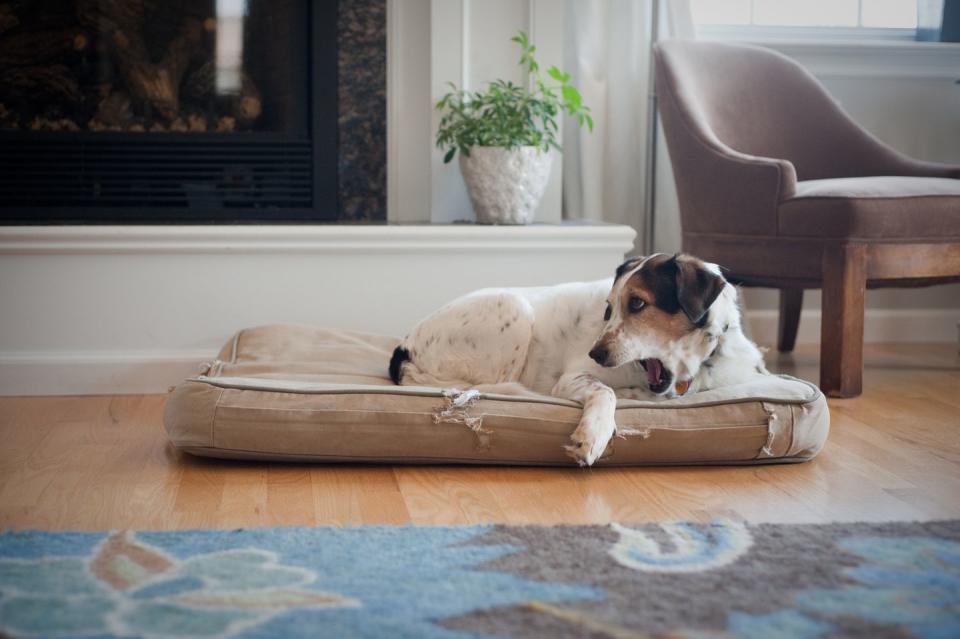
(791, 301)
(841, 330)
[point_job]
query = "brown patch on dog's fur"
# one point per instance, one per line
(680, 283)
(677, 292)
(657, 315)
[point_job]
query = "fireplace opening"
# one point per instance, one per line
(176, 111)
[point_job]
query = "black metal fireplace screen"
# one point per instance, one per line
(147, 111)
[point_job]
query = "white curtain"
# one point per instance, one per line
(608, 52)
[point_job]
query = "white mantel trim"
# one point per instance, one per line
(310, 238)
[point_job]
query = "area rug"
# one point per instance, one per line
(722, 579)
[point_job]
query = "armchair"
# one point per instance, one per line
(778, 184)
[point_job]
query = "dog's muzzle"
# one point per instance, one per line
(600, 355)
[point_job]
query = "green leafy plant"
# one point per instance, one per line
(507, 115)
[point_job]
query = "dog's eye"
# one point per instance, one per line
(606, 313)
(635, 304)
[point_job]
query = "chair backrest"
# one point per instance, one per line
(762, 103)
(742, 124)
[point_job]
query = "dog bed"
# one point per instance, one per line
(300, 393)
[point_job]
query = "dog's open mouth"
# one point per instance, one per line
(658, 377)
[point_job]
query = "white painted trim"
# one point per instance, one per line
(448, 193)
(921, 325)
(409, 111)
(97, 373)
(451, 238)
(87, 310)
(465, 45)
(145, 372)
(546, 30)
(532, 33)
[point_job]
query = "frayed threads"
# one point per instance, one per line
(457, 409)
(771, 432)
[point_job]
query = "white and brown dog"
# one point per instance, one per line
(664, 326)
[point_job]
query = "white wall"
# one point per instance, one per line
(466, 42)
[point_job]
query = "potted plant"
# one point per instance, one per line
(505, 135)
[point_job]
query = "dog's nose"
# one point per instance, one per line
(599, 354)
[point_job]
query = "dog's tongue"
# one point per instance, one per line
(654, 371)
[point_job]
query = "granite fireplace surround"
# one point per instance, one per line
(131, 113)
(362, 97)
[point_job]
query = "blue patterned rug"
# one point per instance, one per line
(723, 579)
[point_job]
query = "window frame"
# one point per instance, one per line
(752, 31)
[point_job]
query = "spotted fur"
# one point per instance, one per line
(540, 340)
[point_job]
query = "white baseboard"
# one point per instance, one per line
(120, 373)
(880, 325)
(88, 373)
(129, 310)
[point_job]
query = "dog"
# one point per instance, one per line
(664, 326)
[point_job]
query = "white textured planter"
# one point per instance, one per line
(506, 185)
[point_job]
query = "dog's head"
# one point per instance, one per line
(657, 314)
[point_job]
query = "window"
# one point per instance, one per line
(889, 19)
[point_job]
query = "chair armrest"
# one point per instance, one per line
(720, 189)
(787, 184)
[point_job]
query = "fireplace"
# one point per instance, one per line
(191, 111)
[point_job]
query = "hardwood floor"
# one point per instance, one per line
(94, 463)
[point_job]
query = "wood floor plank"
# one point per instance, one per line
(448, 495)
(244, 503)
(356, 495)
(289, 496)
(94, 463)
(200, 494)
(545, 495)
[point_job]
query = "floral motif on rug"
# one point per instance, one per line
(674, 579)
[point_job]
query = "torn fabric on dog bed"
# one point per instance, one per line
(302, 393)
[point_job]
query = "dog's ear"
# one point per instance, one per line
(628, 264)
(697, 287)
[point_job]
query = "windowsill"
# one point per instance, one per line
(813, 35)
(898, 46)
(853, 56)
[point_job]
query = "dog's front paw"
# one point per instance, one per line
(590, 440)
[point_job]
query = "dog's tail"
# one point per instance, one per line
(404, 370)
(400, 355)
(417, 377)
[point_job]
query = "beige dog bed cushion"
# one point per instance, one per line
(300, 393)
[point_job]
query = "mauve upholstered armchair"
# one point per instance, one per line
(780, 186)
